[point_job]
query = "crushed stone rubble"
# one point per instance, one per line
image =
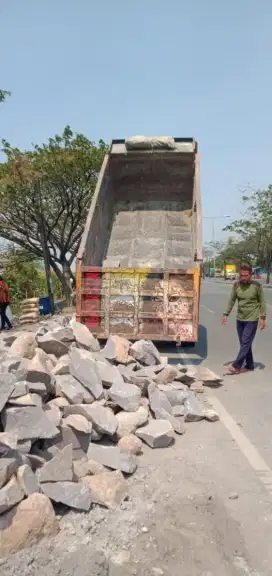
(74, 417)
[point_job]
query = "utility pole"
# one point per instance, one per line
(46, 255)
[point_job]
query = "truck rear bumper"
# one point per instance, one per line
(139, 303)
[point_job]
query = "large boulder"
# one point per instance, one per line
(28, 423)
(128, 422)
(10, 495)
(51, 345)
(32, 520)
(24, 346)
(145, 352)
(107, 489)
(113, 457)
(117, 349)
(59, 469)
(83, 368)
(72, 494)
(73, 390)
(102, 418)
(127, 396)
(157, 433)
(84, 337)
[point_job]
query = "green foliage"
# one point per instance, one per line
(25, 276)
(3, 95)
(255, 230)
(53, 184)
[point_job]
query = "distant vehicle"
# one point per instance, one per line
(230, 272)
(218, 273)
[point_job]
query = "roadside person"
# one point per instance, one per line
(4, 303)
(251, 311)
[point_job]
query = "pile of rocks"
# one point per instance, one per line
(74, 417)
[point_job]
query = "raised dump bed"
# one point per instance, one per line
(138, 266)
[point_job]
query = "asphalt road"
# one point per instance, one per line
(236, 453)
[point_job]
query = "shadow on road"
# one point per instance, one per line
(195, 354)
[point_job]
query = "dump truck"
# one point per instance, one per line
(139, 264)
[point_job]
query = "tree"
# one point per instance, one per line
(255, 230)
(24, 275)
(3, 95)
(45, 194)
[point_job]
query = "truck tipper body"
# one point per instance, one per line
(139, 262)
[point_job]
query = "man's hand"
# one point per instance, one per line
(224, 319)
(262, 323)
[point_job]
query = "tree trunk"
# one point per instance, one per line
(268, 273)
(64, 278)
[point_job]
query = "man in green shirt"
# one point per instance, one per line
(251, 310)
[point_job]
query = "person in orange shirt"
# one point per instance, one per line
(4, 302)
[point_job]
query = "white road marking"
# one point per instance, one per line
(246, 447)
(208, 309)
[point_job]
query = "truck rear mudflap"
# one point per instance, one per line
(139, 302)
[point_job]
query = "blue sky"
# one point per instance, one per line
(115, 68)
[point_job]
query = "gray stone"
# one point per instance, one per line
(60, 403)
(62, 367)
(189, 376)
(168, 374)
(37, 388)
(51, 345)
(128, 422)
(96, 436)
(86, 467)
(79, 423)
(28, 423)
(107, 489)
(117, 349)
(142, 382)
(145, 352)
(127, 396)
(10, 364)
(8, 466)
(157, 433)
(131, 444)
(7, 385)
(53, 413)
(20, 389)
(83, 368)
(10, 439)
(211, 415)
(24, 446)
(194, 411)
(84, 337)
(197, 387)
(175, 397)
(63, 334)
(72, 494)
(59, 469)
(103, 419)
(176, 423)
(108, 373)
(10, 495)
(73, 390)
(150, 371)
(31, 376)
(79, 441)
(158, 400)
(206, 375)
(112, 457)
(27, 480)
(26, 400)
(178, 410)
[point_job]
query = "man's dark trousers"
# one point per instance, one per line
(3, 316)
(246, 334)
